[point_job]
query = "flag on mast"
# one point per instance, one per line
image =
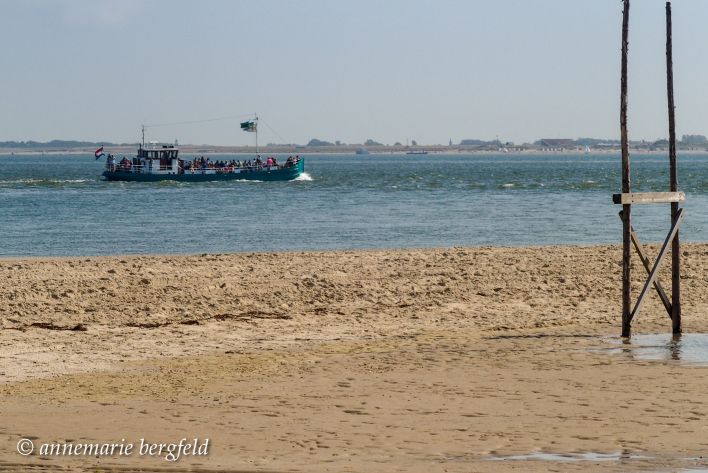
(250, 125)
(99, 152)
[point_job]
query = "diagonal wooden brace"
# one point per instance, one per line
(657, 264)
(647, 265)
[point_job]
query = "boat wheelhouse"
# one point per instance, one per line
(157, 160)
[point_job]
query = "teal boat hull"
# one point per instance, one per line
(282, 174)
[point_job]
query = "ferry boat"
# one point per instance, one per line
(163, 163)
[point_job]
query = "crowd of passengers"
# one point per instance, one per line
(202, 163)
(226, 166)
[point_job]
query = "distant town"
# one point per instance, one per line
(687, 142)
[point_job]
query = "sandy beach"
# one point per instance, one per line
(457, 359)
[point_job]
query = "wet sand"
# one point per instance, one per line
(406, 360)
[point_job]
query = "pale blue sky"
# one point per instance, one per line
(349, 70)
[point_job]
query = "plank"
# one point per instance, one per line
(628, 198)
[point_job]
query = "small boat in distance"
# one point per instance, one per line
(361, 151)
(417, 151)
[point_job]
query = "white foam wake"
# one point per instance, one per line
(303, 177)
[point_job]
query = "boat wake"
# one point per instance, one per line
(303, 177)
(42, 182)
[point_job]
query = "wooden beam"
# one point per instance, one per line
(648, 197)
(675, 246)
(626, 209)
(657, 264)
(647, 265)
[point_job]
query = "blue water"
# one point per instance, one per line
(58, 205)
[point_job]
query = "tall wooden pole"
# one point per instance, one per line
(626, 209)
(675, 249)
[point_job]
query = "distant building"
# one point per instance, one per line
(694, 140)
(553, 143)
(475, 142)
(661, 144)
(316, 142)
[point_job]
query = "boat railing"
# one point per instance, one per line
(124, 168)
(138, 168)
(230, 169)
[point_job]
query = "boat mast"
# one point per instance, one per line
(143, 146)
(256, 121)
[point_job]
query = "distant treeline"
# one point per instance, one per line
(554, 143)
(58, 144)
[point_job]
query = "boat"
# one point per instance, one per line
(417, 151)
(157, 162)
(361, 151)
(163, 163)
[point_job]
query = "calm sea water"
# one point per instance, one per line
(58, 205)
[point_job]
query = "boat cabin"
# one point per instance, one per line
(158, 160)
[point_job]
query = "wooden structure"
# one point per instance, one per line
(628, 198)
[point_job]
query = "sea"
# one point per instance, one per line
(58, 205)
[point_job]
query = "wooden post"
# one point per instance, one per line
(628, 198)
(675, 248)
(626, 209)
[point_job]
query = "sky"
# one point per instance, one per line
(387, 70)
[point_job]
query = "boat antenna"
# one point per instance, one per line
(143, 127)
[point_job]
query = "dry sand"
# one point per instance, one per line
(406, 360)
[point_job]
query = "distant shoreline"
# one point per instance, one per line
(220, 150)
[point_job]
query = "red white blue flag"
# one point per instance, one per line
(99, 152)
